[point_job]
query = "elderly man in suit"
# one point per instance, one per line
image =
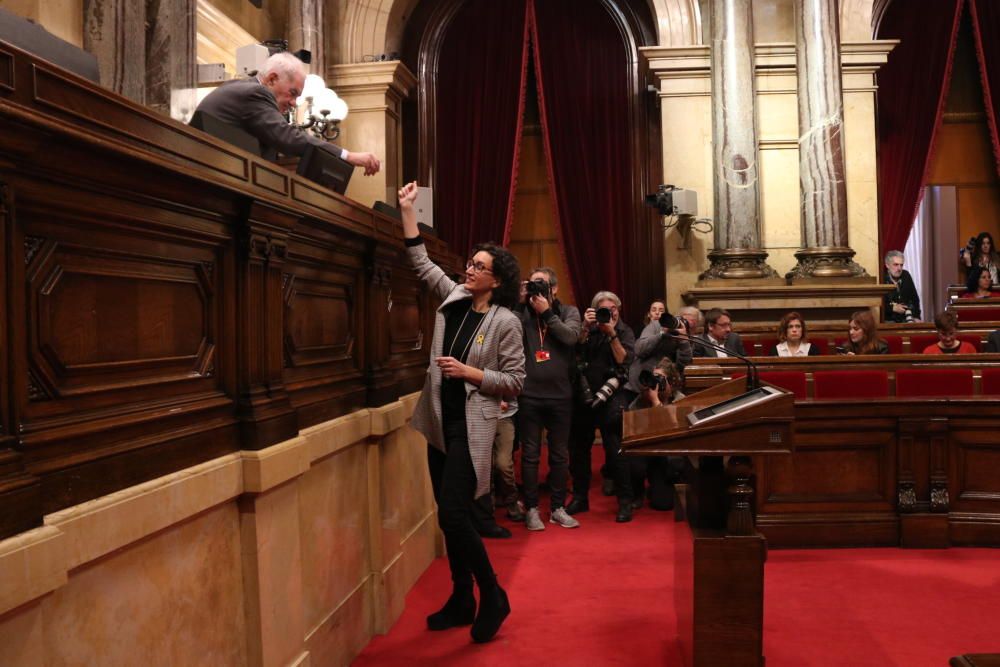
(719, 331)
(257, 105)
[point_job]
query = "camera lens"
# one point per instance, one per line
(603, 315)
(668, 321)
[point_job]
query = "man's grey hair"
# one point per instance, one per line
(606, 296)
(547, 270)
(889, 256)
(284, 63)
(699, 317)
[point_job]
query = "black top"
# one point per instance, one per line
(905, 293)
(549, 351)
(461, 326)
(596, 352)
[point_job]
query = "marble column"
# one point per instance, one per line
(115, 32)
(171, 57)
(305, 31)
(822, 182)
(374, 92)
(737, 252)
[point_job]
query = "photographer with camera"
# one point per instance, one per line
(605, 352)
(551, 330)
(903, 303)
(656, 342)
(657, 386)
(982, 252)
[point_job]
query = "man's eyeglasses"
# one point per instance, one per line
(478, 267)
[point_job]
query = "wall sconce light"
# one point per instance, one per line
(323, 109)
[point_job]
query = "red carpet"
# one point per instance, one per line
(600, 595)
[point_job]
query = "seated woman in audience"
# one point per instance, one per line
(863, 335)
(792, 337)
(948, 343)
(657, 308)
(979, 285)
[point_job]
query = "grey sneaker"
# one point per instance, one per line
(532, 521)
(560, 517)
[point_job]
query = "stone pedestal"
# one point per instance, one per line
(818, 303)
(374, 92)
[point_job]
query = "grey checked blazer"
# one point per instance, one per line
(500, 355)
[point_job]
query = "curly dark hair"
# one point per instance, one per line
(507, 272)
(991, 256)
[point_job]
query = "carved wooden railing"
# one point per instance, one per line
(891, 470)
(169, 298)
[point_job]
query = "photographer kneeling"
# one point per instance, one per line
(657, 387)
(605, 352)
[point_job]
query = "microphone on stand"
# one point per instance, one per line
(673, 323)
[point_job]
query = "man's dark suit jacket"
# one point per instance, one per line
(733, 344)
(248, 104)
(905, 293)
(993, 342)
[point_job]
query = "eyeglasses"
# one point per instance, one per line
(478, 267)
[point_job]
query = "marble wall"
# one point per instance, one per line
(293, 555)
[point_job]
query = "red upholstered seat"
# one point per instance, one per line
(991, 381)
(934, 382)
(978, 314)
(895, 344)
(973, 339)
(821, 344)
(851, 384)
(793, 381)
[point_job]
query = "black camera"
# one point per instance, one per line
(668, 321)
(536, 288)
(651, 380)
(663, 200)
(603, 315)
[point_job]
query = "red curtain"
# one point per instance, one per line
(986, 29)
(912, 88)
(481, 77)
(583, 95)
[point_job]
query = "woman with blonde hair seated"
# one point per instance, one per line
(792, 338)
(863, 335)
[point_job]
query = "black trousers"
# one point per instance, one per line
(454, 482)
(607, 418)
(534, 414)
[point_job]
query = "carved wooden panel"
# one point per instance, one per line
(831, 470)
(324, 294)
(975, 459)
(100, 319)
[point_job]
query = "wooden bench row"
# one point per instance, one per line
(845, 377)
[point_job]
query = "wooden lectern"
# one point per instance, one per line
(719, 558)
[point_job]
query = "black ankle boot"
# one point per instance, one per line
(493, 609)
(577, 505)
(460, 609)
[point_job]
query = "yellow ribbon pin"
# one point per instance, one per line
(480, 338)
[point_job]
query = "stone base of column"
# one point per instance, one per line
(739, 264)
(827, 265)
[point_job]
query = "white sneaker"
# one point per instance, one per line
(532, 521)
(559, 516)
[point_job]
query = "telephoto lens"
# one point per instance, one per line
(668, 321)
(604, 393)
(603, 315)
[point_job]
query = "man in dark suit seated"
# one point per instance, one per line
(719, 330)
(258, 104)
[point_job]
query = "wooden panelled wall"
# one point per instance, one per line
(169, 298)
